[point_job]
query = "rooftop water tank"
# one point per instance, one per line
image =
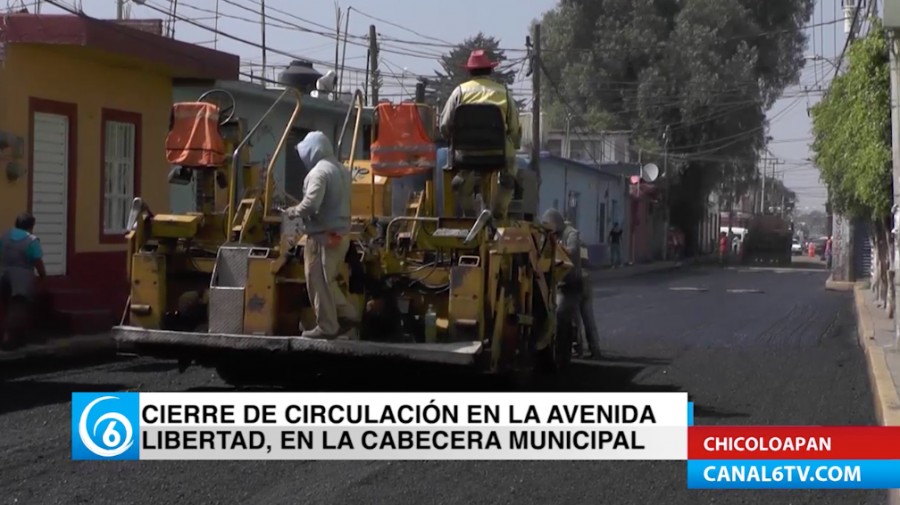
(300, 74)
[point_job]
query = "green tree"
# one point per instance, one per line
(852, 128)
(706, 71)
(452, 73)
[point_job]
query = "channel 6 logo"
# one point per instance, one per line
(105, 426)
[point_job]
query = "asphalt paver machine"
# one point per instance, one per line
(224, 287)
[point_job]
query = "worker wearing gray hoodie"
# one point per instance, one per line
(325, 213)
(573, 297)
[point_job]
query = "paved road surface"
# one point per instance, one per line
(782, 351)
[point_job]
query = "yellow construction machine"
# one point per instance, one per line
(431, 287)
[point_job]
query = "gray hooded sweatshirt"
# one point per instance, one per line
(570, 240)
(326, 189)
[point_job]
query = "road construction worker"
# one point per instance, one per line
(573, 296)
(325, 213)
(481, 89)
(20, 257)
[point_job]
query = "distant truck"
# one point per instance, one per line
(768, 240)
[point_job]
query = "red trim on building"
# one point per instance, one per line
(185, 60)
(119, 116)
(70, 110)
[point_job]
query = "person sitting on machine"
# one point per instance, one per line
(481, 89)
(325, 212)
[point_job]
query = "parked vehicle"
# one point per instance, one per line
(796, 248)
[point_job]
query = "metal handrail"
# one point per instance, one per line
(416, 219)
(357, 104)
(235, 156)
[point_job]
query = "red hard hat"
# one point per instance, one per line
(479, 59)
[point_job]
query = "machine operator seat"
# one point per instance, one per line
(477, 138)
(194, 141)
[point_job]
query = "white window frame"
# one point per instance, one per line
(119, 170)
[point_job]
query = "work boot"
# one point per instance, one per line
(318, 334)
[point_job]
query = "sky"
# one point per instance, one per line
(413, 34)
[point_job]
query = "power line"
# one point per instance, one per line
(847, 42)
(251, 43)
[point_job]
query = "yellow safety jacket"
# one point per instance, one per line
(486, 90)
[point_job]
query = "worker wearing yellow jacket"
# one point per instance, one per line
(482, 89)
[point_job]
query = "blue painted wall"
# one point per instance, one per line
(602, 200)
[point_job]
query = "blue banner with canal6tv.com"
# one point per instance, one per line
(481, 426)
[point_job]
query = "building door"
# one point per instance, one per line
(49, 190)
(294, 171)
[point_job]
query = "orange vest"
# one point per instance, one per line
(194, 139)
(402, 145)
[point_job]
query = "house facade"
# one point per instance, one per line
(252, 100)
(77, 152)
(589, 197)
(602, 147)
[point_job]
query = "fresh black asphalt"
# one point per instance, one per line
(751, 347)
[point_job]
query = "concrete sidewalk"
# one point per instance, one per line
(877, 338)
(646, 268)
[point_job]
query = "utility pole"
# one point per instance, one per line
(120, 9)
(337, 46)
(667, 180)
(775, 163)
(895, 141)
(762, 198)
(262, 13)
(731, 203)
(344, 55)
(536, 69)
(373, 63)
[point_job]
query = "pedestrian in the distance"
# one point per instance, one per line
(723, 248)
(615, 246)
(20, 256)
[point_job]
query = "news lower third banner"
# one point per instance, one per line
(793, 457)
(379, 426)
(481, 426)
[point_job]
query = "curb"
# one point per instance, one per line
(62, 348)
(887, 402)
(624, 273)
(647, 268)
(831, 285)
